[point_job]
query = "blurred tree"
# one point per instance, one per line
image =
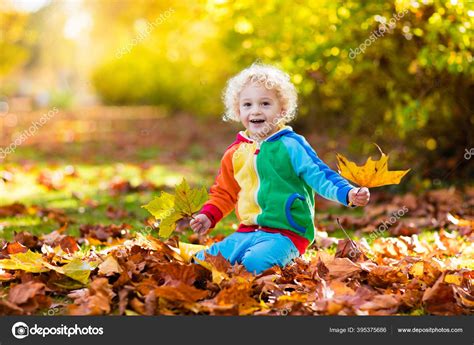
(409, 89)
(165, 53)
(14, 40)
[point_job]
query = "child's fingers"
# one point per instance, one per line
(204, 230)
(200, 225)
(195, 221)
(362, 196)
(196, 225)
(361, 202)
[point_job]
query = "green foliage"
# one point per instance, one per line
(413, 85)
(407, 87)
(164, 53)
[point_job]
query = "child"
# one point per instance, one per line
(268, 174)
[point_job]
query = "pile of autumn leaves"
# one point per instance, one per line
(108, 270)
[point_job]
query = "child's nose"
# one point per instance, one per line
(255, 110)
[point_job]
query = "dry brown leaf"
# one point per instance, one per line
(92, 301)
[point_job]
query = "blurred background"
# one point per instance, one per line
(133, 89)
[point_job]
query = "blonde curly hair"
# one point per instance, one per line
(269, 76)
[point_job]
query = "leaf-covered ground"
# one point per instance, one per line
(75, 240)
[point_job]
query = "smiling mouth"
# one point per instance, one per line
(257, 121)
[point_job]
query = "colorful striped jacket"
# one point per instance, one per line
(271, 186)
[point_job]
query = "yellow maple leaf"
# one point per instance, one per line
(187, 250)
(374, 173)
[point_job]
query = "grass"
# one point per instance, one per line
(95, 170)
(91, 185)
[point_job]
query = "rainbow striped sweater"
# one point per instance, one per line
(271, 185)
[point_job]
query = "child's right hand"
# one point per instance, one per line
(200, 224)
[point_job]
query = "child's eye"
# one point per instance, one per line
(247, 104)
(266, 103)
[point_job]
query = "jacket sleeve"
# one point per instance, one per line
(308, 166)
(223, 193)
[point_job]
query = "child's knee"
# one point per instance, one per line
(199, 255)
(255, 264)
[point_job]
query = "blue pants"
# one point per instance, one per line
(256, 250)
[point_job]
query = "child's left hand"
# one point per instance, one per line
(359, 196)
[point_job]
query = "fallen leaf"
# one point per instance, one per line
(23, 292)
(16, 247)
(338, 267)
(218, 266)
(95, 300)
(68, 244)
(439, 299)
(347, 248)
(181, 292)
(187, 250)
(109, 267)
(29, 262)
(29, 297)
(76, 269)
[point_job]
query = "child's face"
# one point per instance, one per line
(260, 110)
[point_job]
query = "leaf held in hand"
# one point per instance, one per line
(169, 209)
(161, 205)
(189, 200)
(374, 173)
